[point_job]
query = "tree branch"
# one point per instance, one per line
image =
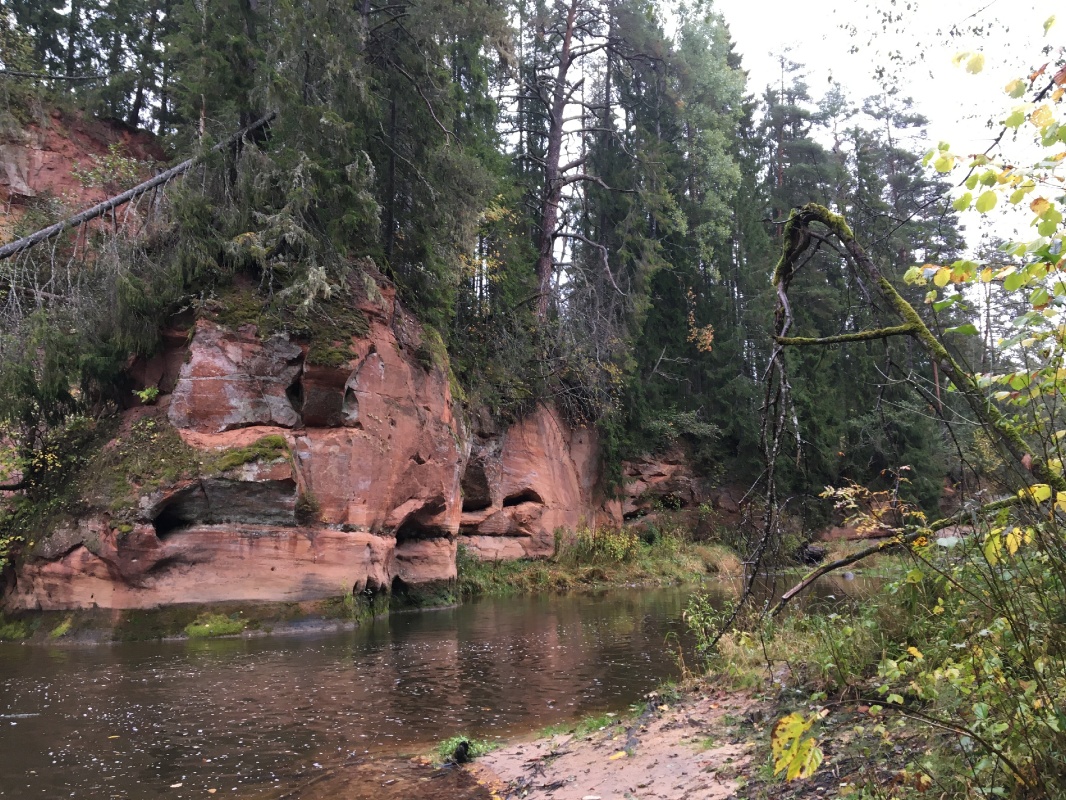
(892, 544)
(13, 248)
(861, 336)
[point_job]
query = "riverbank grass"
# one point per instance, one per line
(452, 751)
(596, 558)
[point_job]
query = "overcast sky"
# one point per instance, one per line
(845, 41)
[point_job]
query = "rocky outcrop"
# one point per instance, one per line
(657, 482)
(523, 484)
(44, 161)
(367, 496)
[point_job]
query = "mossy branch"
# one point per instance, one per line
(861, 336)
(798, 238)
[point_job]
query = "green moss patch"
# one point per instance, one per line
(268, 448)
(210, 626)
(328, 327)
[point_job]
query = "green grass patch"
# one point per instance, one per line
(210, 626)
(62, 629)
(444, 752)
(582, 727)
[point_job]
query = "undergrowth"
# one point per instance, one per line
(590, 558)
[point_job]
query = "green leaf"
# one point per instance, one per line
(967, 329)
(944, 163)
(1048, 23)
(1013, 281)
(986, 202)
(1039, 298)
(1016, 118)
(975, 63)
(971, 182)
(1016, 88)
(963, 203)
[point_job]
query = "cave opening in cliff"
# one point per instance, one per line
(524, 496)
(168, 520)
(471, 504)
(422, 524)
(295, 394)
(399, 587)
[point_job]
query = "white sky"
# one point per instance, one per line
(957, 103)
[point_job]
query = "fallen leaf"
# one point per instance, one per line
(175, 785)
(618, 755)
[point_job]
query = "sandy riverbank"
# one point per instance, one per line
(676, 750)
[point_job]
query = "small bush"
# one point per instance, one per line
(445, 751)
(13, 631)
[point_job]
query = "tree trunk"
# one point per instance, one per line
(553, 188)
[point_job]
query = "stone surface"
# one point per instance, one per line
(525, 482)
(232, 379)
(205, 564)
(663, 481)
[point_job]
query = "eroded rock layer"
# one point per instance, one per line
(377, 485)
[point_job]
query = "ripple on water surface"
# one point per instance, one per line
(323, 716)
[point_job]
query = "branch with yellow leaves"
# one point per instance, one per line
(895, 543)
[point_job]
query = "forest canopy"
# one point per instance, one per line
(583, 198)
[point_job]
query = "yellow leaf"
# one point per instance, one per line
(1060, 501)
(976, 63)
(1038, 492)
(993, 547)
(942, 277)
(1016, 88)
(618, 755)
(986, 275)
(1042, 117)
(1039, 206)
(795, 756)
(914, 651)
(1014, 540)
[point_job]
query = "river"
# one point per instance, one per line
(291, 717)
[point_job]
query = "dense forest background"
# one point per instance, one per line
(585, 199)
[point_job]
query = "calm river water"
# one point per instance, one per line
(275, 717)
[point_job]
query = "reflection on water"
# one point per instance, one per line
(258, 718)
(326, 716)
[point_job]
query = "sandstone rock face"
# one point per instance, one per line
(666, 481)
(523, 484)
(204, 564)
(379, 486)
(43, 160)
(234, 380)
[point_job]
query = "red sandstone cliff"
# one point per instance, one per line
(389, 479)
